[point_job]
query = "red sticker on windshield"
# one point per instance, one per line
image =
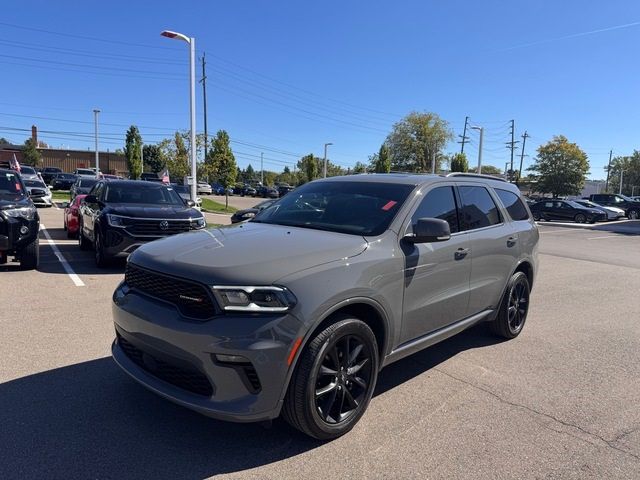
(389, 205)
(17, 186)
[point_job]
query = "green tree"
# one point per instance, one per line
(487, 170)
(153, 158)
(132, 151)
(560, 167)
(31, 155)
(308, 165)
(382, 160)
(225, 161)
(359, 168)
(249, 173)
(416, 141)
(459, 163)
(4, 141)
(630, 177)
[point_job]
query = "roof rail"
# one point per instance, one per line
(476, 175)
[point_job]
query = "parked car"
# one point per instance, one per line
(63, 181)
(297, 310)
(631, 207)
(249, 213)
(85, 172)
(72, 215)
(39, 193)
(566, 210)
(185, 193)
(150, 177)
(204, 188)
(244, 190)
(29, 173)
(119, 216)
(612, 213)
(217, 189)
(284, 189)
(267, 192)
(48, 173)
(19, 222)
(82, 186)
(108, 176)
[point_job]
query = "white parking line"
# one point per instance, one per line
(67, 268)
(605, 236)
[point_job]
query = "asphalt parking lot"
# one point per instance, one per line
(560, 401)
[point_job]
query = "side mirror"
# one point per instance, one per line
(190, 203)
(427, 230)
(90, 199)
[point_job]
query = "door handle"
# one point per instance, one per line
(461, 253)
(511, 241)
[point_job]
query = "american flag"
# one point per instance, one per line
(13, 164)
(165, 176)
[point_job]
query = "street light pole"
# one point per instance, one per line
(325, 158)
(95, 121)
(481, 129)
(192, 103)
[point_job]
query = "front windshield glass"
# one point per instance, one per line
(11, 184)
(142, 192)
(87, 182)
(34, 183)
(357, 208)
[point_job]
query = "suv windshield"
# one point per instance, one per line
(84, 171)
(139, 192)
(357, 208)
(34, 183)
(27, 170)
(11, 184)
(87, 182)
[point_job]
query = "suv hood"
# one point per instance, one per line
(249, 253)
(152, 211)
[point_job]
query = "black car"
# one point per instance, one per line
(267, 192)
(48, 173)
(82, 186)
(19, 222)
(248, 213)
(566, 210)
(630, 206)
(120, 215)
(284, 189)
(62, 181)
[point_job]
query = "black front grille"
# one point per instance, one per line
(189, 379)
(158, 228)
(192, 299)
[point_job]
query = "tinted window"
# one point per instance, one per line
(513, 204)
(141, 192)
(87, 182)
(438, 203)
(478, 208)
(10, 184)
(358, 208)
(34, 183)
(27, 170)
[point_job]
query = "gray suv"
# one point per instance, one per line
(296, 311)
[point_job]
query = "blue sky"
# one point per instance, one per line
(286, 77)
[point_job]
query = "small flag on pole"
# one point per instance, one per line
(165, 176)
(14, 165)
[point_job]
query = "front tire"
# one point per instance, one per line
(102, 260)
(580, 218)
(83, 242)
(334, 380)
(30, 256)
(513, 308)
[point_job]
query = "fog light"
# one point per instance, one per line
(224, 358)
(24, 230)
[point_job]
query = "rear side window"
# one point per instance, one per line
(478, 208)
(513, 204)
(438, 203)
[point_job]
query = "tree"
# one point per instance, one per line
(631, 176)
(416, 140)
(249, 173)
(308, 165)
(153, 158)
(222, 156)
(359, 168)
(459, 163)
(132, 151)
(487, 170)
(4, 141)
(382, 163)
(31, 155)
(560, 168)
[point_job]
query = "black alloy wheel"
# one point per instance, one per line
(580, 218)
(100, 256)
(83, 243)
(513, 310)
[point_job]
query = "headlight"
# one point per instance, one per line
(116, 220)
(199, 223)
(23, 212)
(254, 299)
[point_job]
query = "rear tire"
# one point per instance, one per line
(30, 255)
(514, 308)
(334, 380)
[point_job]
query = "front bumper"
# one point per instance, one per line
(42, 201)
(175, 356)
(11, 239)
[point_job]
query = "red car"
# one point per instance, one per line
(71, 212)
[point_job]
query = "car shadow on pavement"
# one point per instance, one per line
(90, 421)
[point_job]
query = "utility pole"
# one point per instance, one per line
(325, 158)
(261, 168)
(606, 185)
(621, 177)
(464, 135)
(481, 130)
(203, 80)
(95, 118)
(524, 140)
(433, 159)
(512, 144)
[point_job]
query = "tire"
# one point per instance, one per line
(580, 218)
(537, 217)
(83, 242)
(514, 308)
(102, 259)
(314, 413)
(633, 215)
(30, 256)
